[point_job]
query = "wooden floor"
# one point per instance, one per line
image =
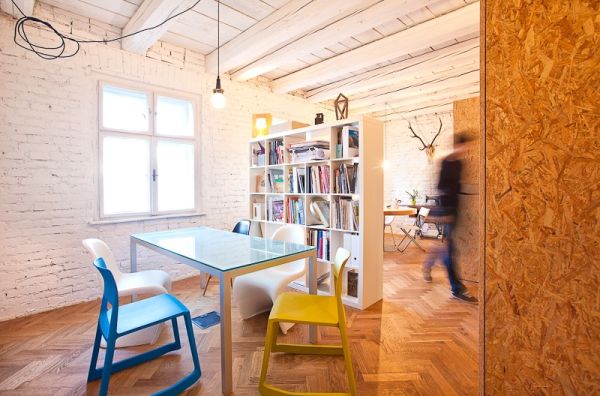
(417, 341)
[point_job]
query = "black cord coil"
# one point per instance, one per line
(59, 51)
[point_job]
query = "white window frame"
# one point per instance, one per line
(153, 137)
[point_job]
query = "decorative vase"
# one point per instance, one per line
(413, 201)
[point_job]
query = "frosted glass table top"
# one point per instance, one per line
(222, 250)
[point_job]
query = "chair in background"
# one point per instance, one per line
(118, 321)
(254, 293)
(310, 309)
(415, 229)
(387, 222)
(241, 227)
(151, 282)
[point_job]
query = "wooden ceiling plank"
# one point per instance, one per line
(430, 109)
(418, 99)
(150, 13)
(389, 74)
(90, 11)
(284, 25)
(370, 16)
(455, 24)
(454, 80)
(26, 7)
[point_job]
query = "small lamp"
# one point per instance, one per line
(261, 124)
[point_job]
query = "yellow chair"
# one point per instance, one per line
(309, 309)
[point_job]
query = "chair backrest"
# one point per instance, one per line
(424, 212)
(109, 296)
(339, 262)
(295, 234)
(388, 220)
(242, 227)
(97, 249)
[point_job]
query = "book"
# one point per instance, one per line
(275, 180)
(320, 210)
(275, 209)
(349, 142)
(260, 183)
(257, 211)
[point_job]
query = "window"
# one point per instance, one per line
(147, 152)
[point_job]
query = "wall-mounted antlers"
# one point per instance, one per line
(429, 148)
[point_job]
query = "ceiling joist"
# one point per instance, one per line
(459, 23)
(371, 15)
(280, 28)
(149, 14)
(406, 70)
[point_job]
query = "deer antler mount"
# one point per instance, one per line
(428, 148)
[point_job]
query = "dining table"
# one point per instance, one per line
(399, 211)
(225, 255)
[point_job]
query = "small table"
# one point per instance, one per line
(226, 255)
(399, 211)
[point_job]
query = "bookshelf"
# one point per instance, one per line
(337, 199)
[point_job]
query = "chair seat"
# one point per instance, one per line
(147, 312)
(144, 282)
(305, 308)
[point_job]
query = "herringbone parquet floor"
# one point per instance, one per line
(417, 341)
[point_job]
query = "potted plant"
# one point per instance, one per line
(413, 196)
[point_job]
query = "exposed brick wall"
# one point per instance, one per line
(408, 166)
(49, 150)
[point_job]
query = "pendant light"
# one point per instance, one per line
(218, 99)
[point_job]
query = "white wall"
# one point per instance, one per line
(48, 159)
(408, 166)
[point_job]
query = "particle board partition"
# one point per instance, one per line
(282, 192)
(543, 192)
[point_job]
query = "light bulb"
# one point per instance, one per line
(217, 100)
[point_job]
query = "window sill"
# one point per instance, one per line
(117, 220)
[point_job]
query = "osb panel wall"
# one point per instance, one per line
(467, 234)
(542, 314)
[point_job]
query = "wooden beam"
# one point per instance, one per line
(468, 79)
(454, 54)
(283, 26)
(422, 79)
(459, 23)
(367, 17)
(150, 13)
(447, 94)
(433, 109)
(26, 7)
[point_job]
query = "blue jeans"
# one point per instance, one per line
(445, 255)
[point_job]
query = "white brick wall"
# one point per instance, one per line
(408, 166)
(48, 159)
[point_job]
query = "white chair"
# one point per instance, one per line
(387, 222)
(254, 293)
(151, 282)
(415, 228)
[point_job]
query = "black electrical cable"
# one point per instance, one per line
(60, 50)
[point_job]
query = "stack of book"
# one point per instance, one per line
(275, 177)
(296, 210)
(309, 151)
(346, 179)
(345, 214)
(276, 152)
(321, 239)
(318, 179)
(275, 209)
(296, 180)
(347, 144)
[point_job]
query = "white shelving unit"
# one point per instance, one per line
(368, 264)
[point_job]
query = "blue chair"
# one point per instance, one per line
(118, 321)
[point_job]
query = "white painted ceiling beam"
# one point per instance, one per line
(418, 99)
(468, 79)
(288, 23)
(369, 16)
(434, 109)
(400, 71)
(459, 23)
(149, 14)
(26, 7)
(449, 76)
